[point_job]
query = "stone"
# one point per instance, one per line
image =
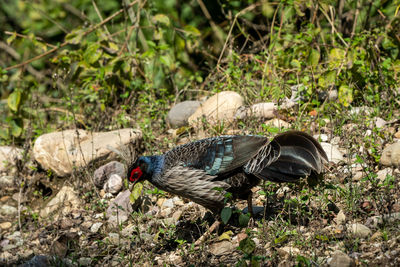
(8, 210)
(113, 238)
(364, 110)
(113, 184)
(85, 261)
(397, 134)
(288, 251)
(5, 225)
(95, 227)
(383, 173)
(176, 216)
(6, 181)
(278, 123)
(260, 111)
(179, 114)
(332, 152)
(220, 107)
(379, 122)
(391, 155)
(221, 248)
(62, 151)
(103, 173)
(65, 201)
(340, 259)
(360, 230)
(8, 156)
(119, 209)
(168, 203)
(340, 217)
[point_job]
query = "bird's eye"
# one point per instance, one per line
(135, 174)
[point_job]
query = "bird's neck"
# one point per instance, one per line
(154, 166)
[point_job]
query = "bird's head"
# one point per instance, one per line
(139, 170)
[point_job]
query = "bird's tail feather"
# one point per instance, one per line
(300, 156)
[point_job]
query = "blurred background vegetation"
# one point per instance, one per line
(102, 65)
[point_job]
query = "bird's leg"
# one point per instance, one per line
(250, 204)
(207, 233)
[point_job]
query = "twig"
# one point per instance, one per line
(202, 238)
(101, 18)
(67, 42)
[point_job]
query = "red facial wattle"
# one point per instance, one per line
(135, 174)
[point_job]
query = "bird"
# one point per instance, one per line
(204, 171)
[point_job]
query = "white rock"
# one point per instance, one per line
(221, 248)
(360, 230)
(340, 259)
(114, 238)
(332, 152)
(61, 151)
(8, 210)
(95, 227)
(179, 114)
(85, 261)
(288, 251)
(6, 181)
(168, 203)
(391, 155)
(379, 122)
(321, 137)
(220, 107)
(260, 110)
(65, 201)
(113, 184)
(119, 208)
(340, 217)
(8, 156)
(383, 173)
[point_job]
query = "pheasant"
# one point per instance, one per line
(205, 170)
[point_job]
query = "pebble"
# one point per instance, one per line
(95, 227)
(360, 230)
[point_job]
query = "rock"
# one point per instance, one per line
(360, 230)
(383, 173)
(65, 201)
(176, 216)
(288, 251)
(321, 137)
(95, 227)
(114, 238)
(260, 110)
(37, 261)
(6, 181)
(379, 122)
(103, 173)
(340, 259)
(332, 95)
(5, 225)
(364, 110)
(391, 155)
(8, 156)
(168, 203)
(179, 114)
(278, 123)
(221, 248)
(8, 210)
(220, 107)
(340, 217)
(332, 152)
(113, 184)
(397, 134)
(85, 261)
(62, 151)
(119, 209)
(388, 218)
(358, 176)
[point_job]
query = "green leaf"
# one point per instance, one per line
(136, 192)
(247, 245)
(75, 37)
(161, 18)
(225, 236)
(313, 57)
(226, 214)
(92, 53)
(14, 100)
(345, 95)
(336, 57)
(244, 219)
(16, 127)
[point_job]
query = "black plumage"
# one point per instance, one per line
(231, 163)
